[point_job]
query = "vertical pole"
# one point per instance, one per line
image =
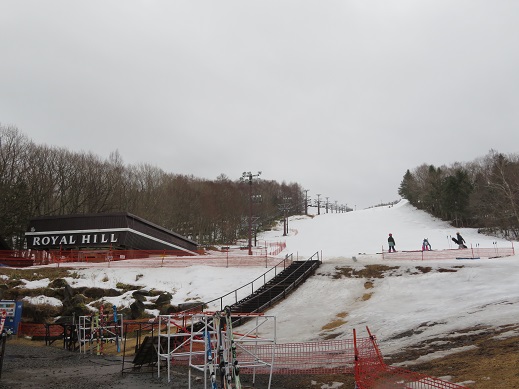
(284, 222)
(250, 214)
(306, 202)
(375, 347)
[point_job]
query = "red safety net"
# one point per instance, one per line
(264, 256)
(372, 373)
(326, 357)
(468, 253)
(358, 356)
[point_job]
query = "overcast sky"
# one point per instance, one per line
(341, 97)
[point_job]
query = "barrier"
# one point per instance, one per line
(468, 253)
(359, 356)
(325, 357)
(372, 373)
(264, 255)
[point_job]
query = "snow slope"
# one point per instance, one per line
(432, 303)
(438, 302)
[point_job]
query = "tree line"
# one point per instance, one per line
(40, 180)
(482, 194)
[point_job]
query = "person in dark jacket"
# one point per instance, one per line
(391, 243)
(460, 241)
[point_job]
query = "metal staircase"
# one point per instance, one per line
(277, 288)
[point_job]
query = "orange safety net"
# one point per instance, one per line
(372, 373)
(147, 258)
(326, 357)
(468, 253)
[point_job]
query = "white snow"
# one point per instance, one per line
(41, 299)
(430, 305)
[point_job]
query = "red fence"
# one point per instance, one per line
(372, 373)
(153, 258)
(358, 356)
(326, 357)
(469, 253)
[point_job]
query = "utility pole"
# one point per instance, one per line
(327, 204)
(318, 204)
(248, 176)
(285, 207)
(306, 201)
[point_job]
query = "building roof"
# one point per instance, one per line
(117, 230)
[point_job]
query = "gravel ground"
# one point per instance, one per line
(33, 365)
(27, 366)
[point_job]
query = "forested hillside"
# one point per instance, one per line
(40, 180)
(483, 193)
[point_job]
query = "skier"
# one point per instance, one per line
(460, 241)
(391, 243)
(426, 246)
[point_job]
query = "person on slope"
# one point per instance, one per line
(391, 243)
(460, 241)
(426, 246)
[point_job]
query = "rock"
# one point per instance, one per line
(137, 309)
(164, 298)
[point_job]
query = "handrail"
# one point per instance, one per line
(286, 288)
(201, 306)
(291, 286)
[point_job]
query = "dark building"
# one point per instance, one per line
(114, 231)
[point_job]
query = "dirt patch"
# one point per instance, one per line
(441, 270)
(380, 271)
(35, 274)
(370, 271)
(333, 324)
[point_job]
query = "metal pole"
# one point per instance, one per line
(250, 214)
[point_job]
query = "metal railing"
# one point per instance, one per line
(287, 288)
(271, 272)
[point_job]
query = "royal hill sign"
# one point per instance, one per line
(76, 240)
